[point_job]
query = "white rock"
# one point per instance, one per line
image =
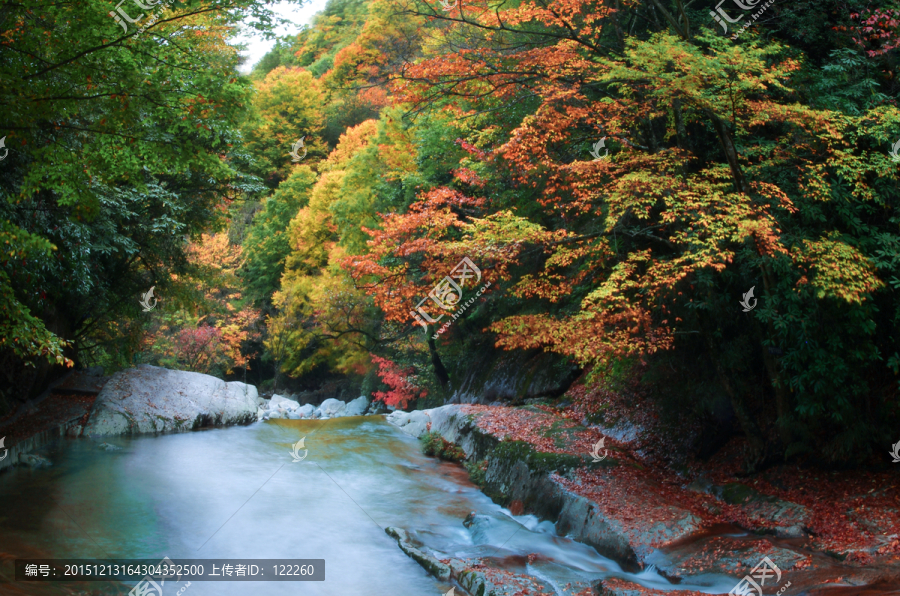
(330, 408)
(306, 411)
(357, 407)
(398, 417)
(275, 413)
(417, 425)
(278, 401)
(149, 399)
(412, 423)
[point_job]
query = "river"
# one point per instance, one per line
(237, 493)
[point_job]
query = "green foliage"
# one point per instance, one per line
(268, 244)
(435, 445)
(21, 332)
(281, 54)
(477, 472)
(287, 107)
(119, 152)
(845, 84)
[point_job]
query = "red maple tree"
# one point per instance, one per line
(400, 380)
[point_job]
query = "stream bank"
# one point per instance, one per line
(653, 529)
(532, 460)
(239, 492)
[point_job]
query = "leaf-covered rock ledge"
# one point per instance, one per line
(534, 460)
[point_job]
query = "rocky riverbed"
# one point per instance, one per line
(596, 485)
(533, 460)
(279, 406)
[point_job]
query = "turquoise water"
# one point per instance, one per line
(236, 493)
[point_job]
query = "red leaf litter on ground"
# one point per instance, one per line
(527, 586)
(855, 514)
(621, 586)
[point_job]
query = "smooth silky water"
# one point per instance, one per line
(236, 493)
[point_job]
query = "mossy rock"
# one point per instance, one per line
(512, 451)
(477, 472)
(599, 417)
(434, 444)
(735, 493)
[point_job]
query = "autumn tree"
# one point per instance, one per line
(332, 322)
(710, 179)
(401, 382)
(215, 329)
(287, 108)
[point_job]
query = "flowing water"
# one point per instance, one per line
(237, 493)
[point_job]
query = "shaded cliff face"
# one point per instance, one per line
(494, 375)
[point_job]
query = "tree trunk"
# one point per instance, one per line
(731, 154)
(619, 34)
(681, 132)
(745, 420)
(439, 371)
(682, 31)
(782, 399)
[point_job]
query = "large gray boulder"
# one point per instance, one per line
(284, 403)
(357, 407)
(275, 413)
(413, 423)
(330, 408)
(418, 424)
(150, 399)
(306, 411)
